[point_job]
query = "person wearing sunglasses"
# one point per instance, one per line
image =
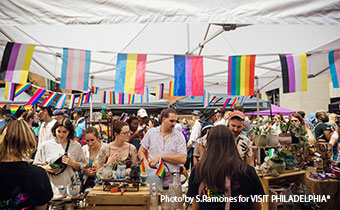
(118, 150)
(297, 119)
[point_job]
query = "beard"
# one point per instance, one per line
(35, 124)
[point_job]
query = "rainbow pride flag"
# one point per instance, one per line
(171, 88)
(145, 97)
(71, 103)
(75, 71)
(80, 101)
(130, 73)
(159, 91)
(9, 90)
(16, 62)
(334, 67)
(28, 107)
(131, 99)
(103, 97)
(61, 101)
(142, 167)
(121, 98)
(14, 108)
(188, 76)
(217, 100)
(94, 89)
(226, 103)
(49, 99)
(294, 73)
(37, 95)
(161, 169)
(112, 97)
(21, 88)
(241, 75)
(2, 106)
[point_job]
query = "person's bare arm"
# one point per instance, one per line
(194, 205)
(142, 156)
(201, 148)
(175, 159)
(327, 134)
(333, 141)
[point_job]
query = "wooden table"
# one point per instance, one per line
(98, 199)
(324, 187)
(288, 177)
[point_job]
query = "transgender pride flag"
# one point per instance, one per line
(188, 76)
(75, 70)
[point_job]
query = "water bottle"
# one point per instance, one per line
(153, 197)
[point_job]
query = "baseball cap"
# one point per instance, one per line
(58, 112)
(238, 114)
(77, 110)
(142, 113)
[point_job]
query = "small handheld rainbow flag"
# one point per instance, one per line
(21, 88)
(70, 105)
(142, 167)
(49, 99)
(37, 95)
(161, 169)
(14, 108)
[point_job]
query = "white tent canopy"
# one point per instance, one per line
(164, 28)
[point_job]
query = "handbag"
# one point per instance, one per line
(62, 166)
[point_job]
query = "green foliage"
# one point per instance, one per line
(285, 126)
(262, 128)
(279, 155)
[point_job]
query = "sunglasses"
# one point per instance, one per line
(294, 121)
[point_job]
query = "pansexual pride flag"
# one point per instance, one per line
(49, 99)
(294, 72)
(14, 108)
(103, 97)
(188, 76)
(9, 91)
(131, 99)
(75, 70)
(161, 169)
(241, 75)
(130, 73)
(171, 88)
(159, 91)
(334, 67)
(16, 62)
(37, 95)
(145, 97)
(112, 97)
(71, 103)
(21, 88)
(60, 101)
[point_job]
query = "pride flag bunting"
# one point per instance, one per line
(21, 88)
(80, 101)
(159, 91)
(71, 103)
(9, 91)
(16, 62)
(234, 102)
(334, 67)
(171, 88)
(75, 71)
(103, 97)
(105, 108)
(87, 97)
(145, 98)
(121, 98)
(217, 100)
(226, 103)
(130, 73)
(161, 169)
(188, 76)
(241, 75)
(49, 99)
(94, 89)
(205, 99)
(37, 95)
(131, 99)
(211, 98)
(61, 101)
(112, 97)
(294, 73)
(28, 107)
(14, 108)
(2, 106)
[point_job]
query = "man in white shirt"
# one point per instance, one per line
(45, 116)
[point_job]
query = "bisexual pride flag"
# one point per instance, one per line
(188, 76)
(130, 73)
(241, 75)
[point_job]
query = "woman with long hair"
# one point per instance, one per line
(221, 173)
(23, 186)
(119, 149)
(296, 118)
(61, 156)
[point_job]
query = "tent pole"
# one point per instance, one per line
(257, 98)
(91, 99)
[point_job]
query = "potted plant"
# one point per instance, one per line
(301, 150)
(260, 132)
(121, 170)
(285, 137)
(277, 162)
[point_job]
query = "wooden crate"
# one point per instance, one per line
(98, 199)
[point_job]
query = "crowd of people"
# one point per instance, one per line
(44, 149)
